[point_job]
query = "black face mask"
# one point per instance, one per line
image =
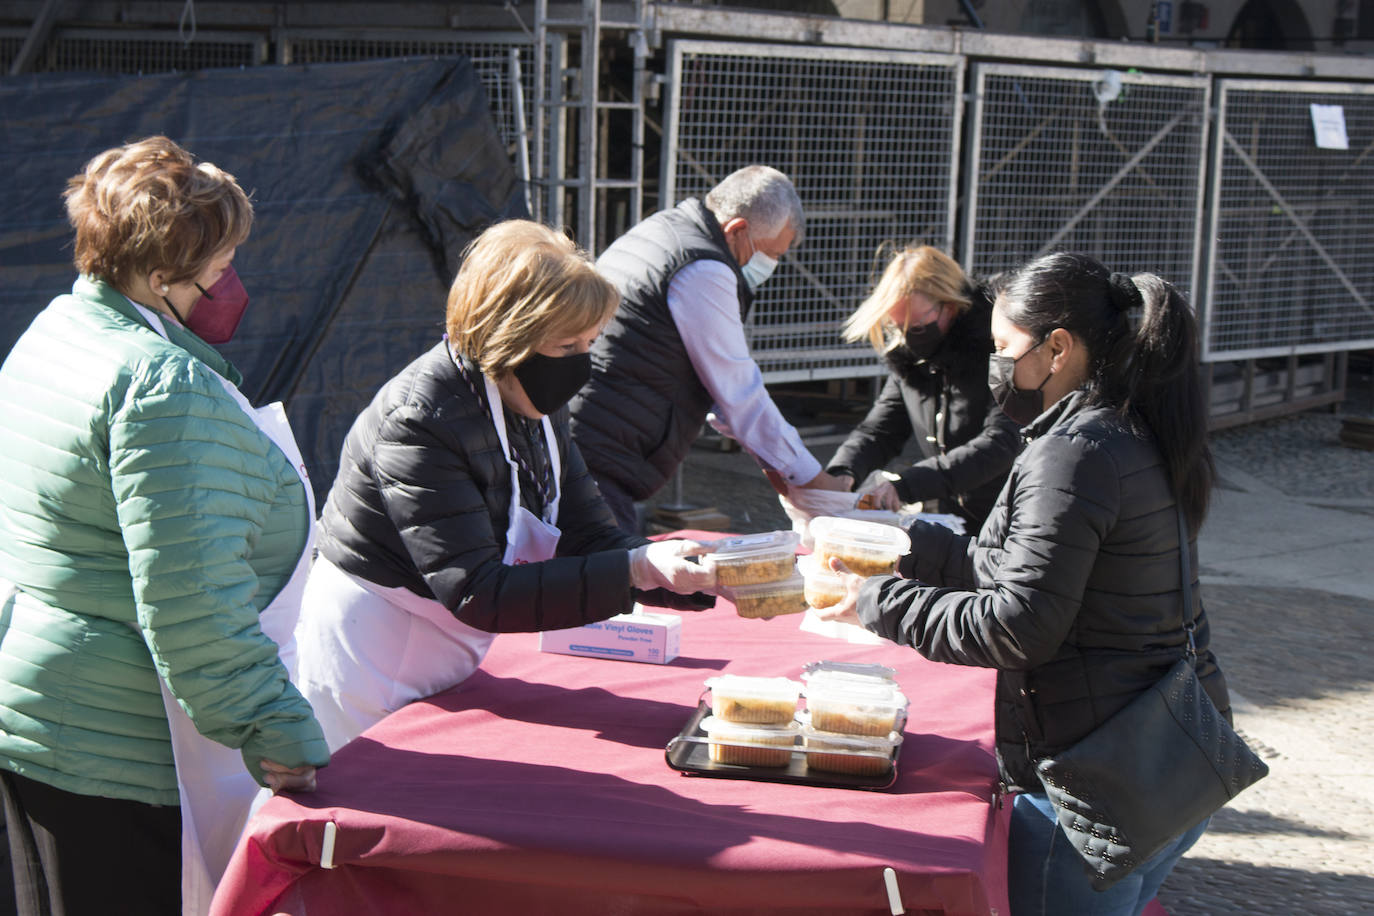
(551, 381)
(1019, 404)
(923, 341)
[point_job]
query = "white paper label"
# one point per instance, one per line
(1328, 123)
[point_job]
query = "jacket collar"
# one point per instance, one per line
(101, 294)
(1058, 412)
(697, 210)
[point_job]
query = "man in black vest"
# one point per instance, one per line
(675, 350)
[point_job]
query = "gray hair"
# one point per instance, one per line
(763, 196)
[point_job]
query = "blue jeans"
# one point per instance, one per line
(1047, 877)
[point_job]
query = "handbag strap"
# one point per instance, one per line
(1186, 580)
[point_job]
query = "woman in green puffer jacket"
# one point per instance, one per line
(150, 525)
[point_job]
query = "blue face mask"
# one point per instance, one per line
(758, 269)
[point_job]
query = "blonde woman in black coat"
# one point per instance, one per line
(930, 325)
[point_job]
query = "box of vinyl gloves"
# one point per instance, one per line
(638, 637)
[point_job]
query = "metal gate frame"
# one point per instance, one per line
(841, 360)
(1225, 143)
(161, 47)
(974, 174)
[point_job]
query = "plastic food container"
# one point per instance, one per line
(863, 671)
(861, 755)
(768, 599)
(754, 558)
(821, 587)
(750, 745)
(867, 548)
(756, 700)
(854, 707)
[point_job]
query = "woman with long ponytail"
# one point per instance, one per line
(1072, 589)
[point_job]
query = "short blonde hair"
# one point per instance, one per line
(914, 269)
(149, 206)
(521, 285)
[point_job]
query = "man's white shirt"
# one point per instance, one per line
(704, 302)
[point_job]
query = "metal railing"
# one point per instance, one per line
(135, 51)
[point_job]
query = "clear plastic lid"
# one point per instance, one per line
(854, 744)
(869, 694)
(864, 536)
(753, 546)
(877, 516)
(861, 671)
(754, 688)
(750, 731)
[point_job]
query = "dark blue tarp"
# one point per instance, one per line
(368, 180)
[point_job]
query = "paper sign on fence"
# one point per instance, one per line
(1328, 123)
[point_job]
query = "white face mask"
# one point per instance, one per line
(758, 268)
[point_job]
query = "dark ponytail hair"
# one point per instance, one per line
(1142, 345)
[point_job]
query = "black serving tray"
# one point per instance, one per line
(693, 758)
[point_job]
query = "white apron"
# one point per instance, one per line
(216, 791)
(367, 650)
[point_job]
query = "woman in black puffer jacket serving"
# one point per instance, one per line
(462, 509)
(1072, 588)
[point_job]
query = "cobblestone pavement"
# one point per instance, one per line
(1300, 455)
(1298, 663)
(1300, 841)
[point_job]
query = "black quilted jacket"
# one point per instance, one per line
(422, 501)
(1071, 590)
(966, 443)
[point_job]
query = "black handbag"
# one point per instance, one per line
(1152, 771)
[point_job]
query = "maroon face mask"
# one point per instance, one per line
(216, 315)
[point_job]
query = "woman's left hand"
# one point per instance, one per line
(847, 609)
(882, 495)
(287, 779)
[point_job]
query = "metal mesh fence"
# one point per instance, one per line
(490, 56)
(1054, 170)
(109, 51)
(872, 138)
(869, 138)
(1293, 256)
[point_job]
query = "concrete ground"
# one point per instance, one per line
(1287, 563)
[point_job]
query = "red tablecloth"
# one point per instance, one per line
(539, 786)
